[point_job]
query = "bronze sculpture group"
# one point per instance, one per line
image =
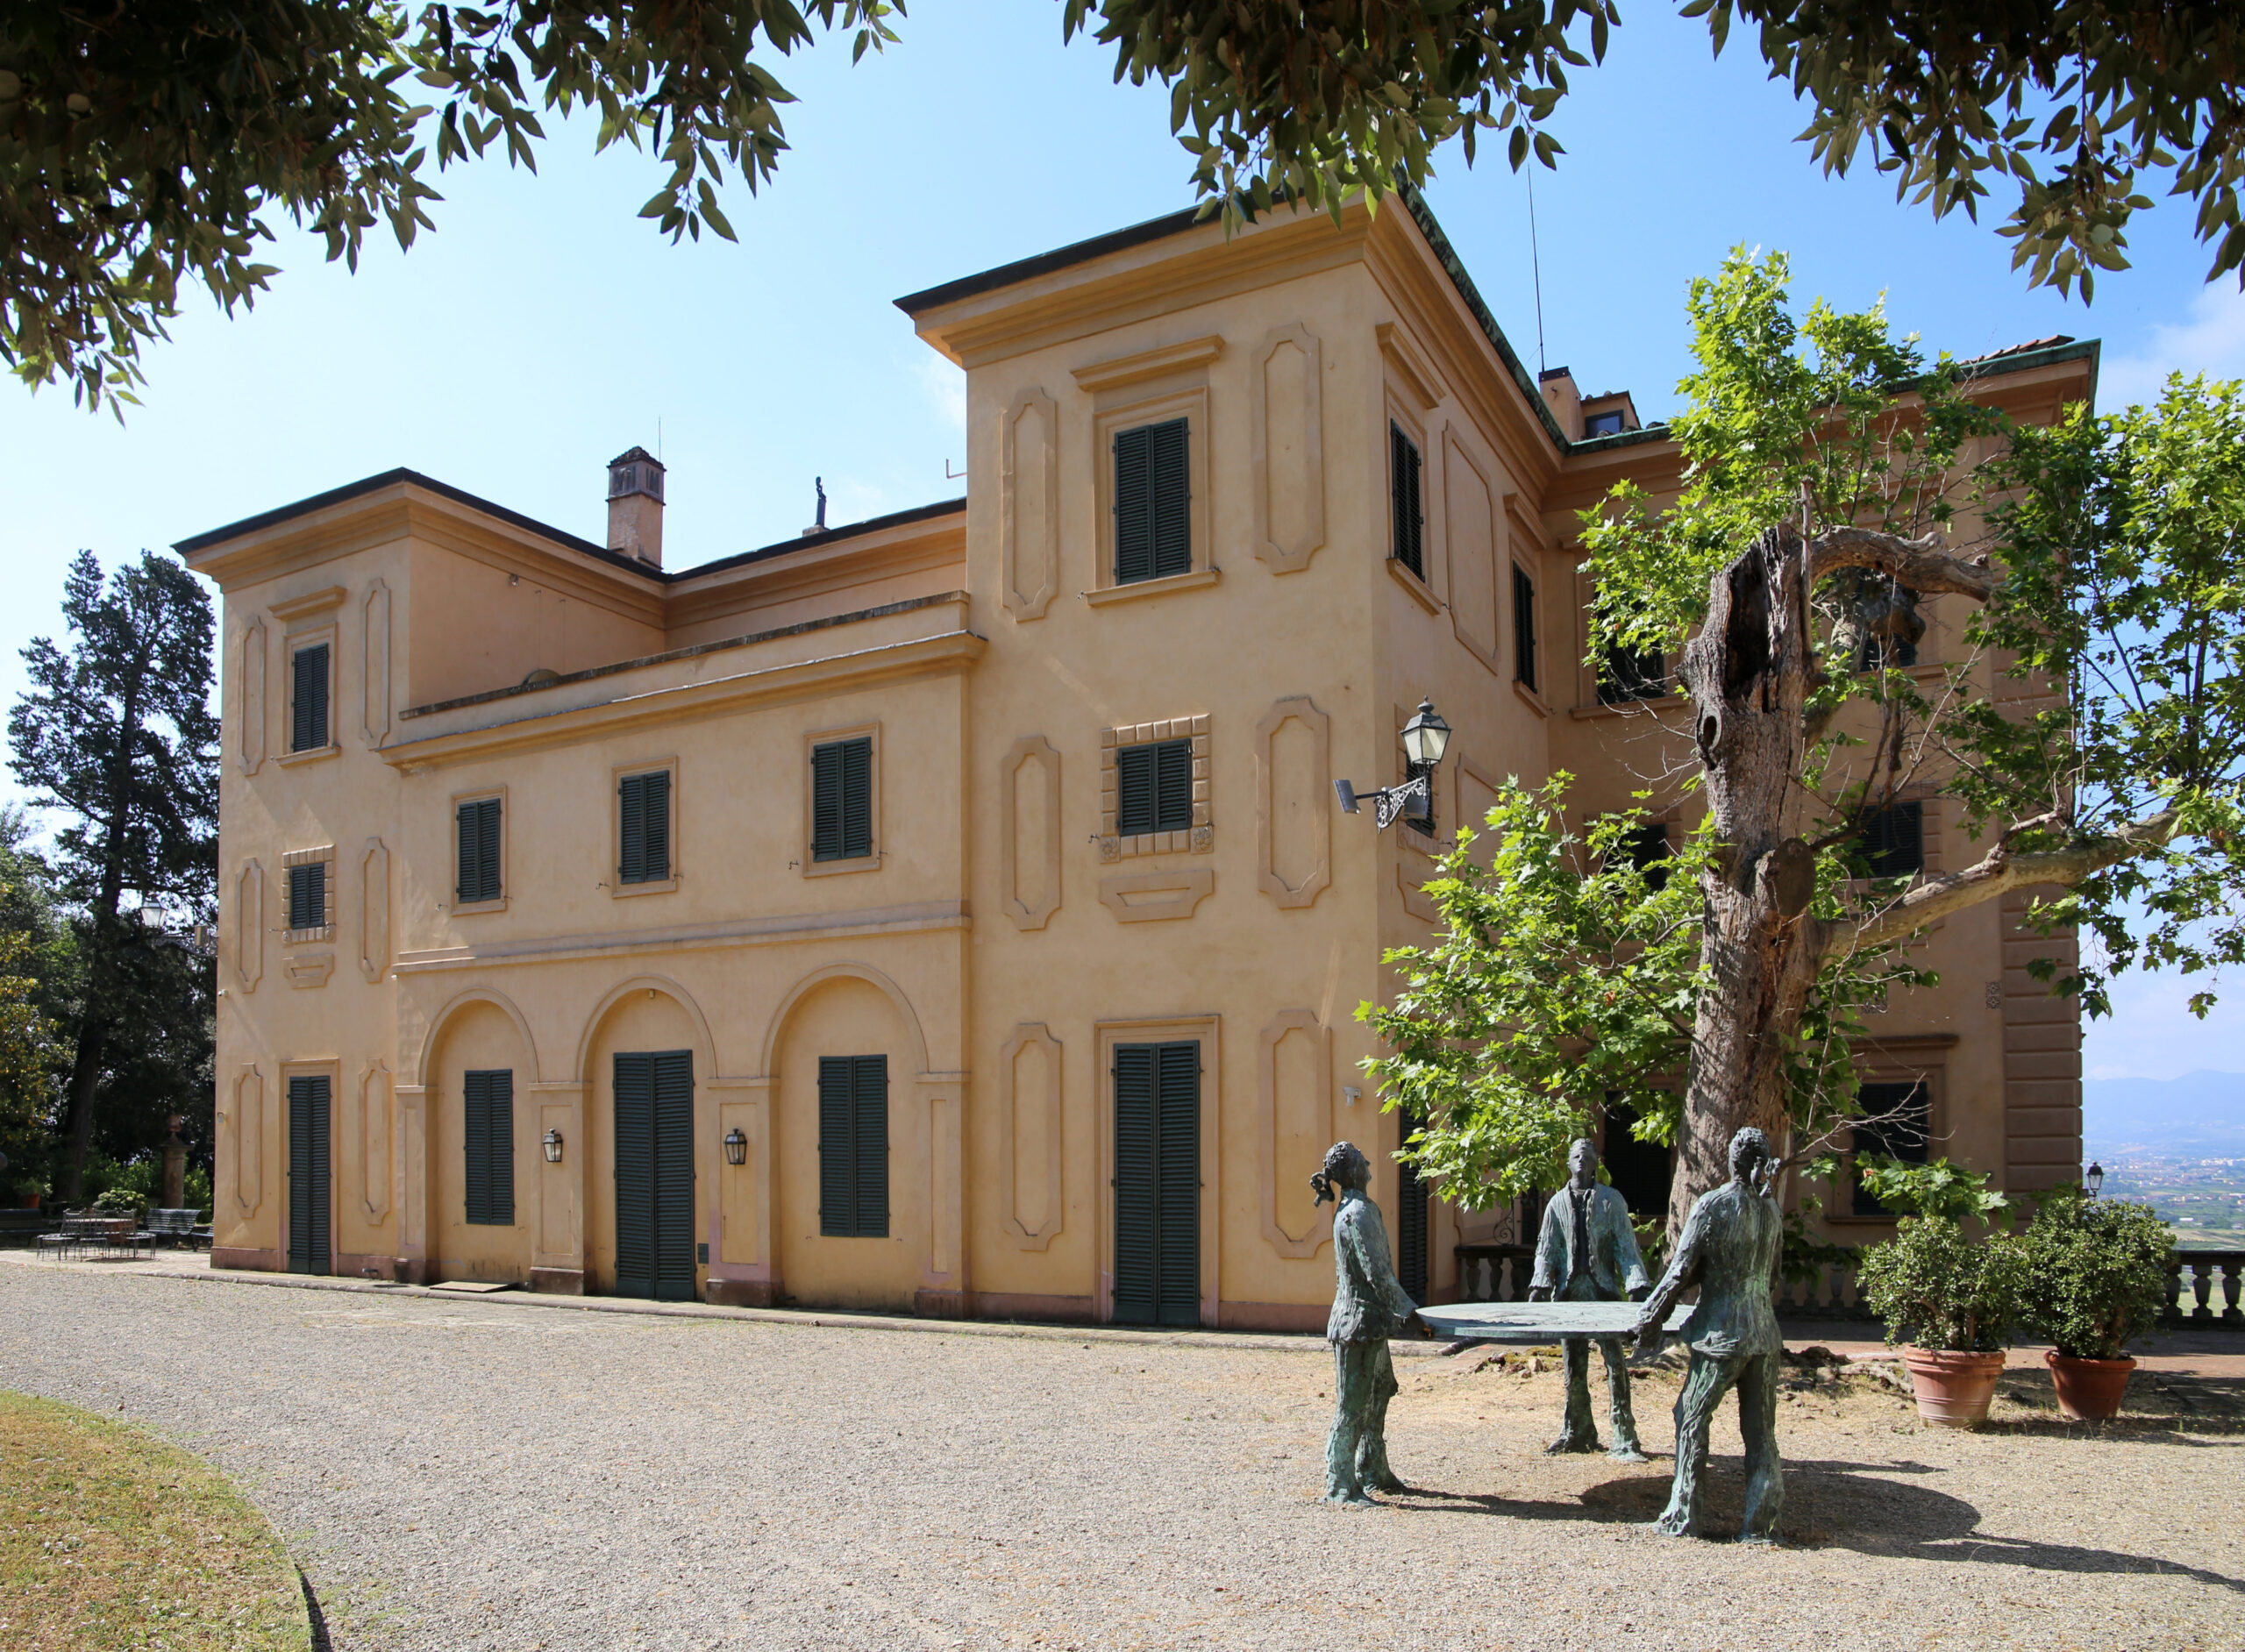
(1587, 1252)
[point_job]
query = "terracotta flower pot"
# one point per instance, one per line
(2089, 1390)
(1953, 1389)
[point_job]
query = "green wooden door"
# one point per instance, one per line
(310, 1179)
(1157, 1183)
(654, 1174)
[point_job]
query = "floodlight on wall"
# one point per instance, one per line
(736, 1147)
(2093, 1178)
(1426, 737)
(552, 1145)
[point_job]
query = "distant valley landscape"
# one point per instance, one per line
(2177, 1144)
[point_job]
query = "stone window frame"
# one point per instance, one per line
(876, 854)
(1901, 1060)
(323, 855)
(1148, 388)
(1201, 837)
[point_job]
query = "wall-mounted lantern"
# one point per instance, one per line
(736, 1147)
(552, 1145)
(1426, 737)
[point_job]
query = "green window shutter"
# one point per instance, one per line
(673, 1165)
(644, 801)
(308, 896)
(869, 1143)
(1895, 840)
(1136, 1198)
(1178, 1149)
(1153, 501)
(310, 1177)
(307, 716)
(487, 1108)
(1153, 788)
(479, 823)
(842, 800)
(1403, 489)
(1524, 628)
(635, 1174)
(1411, 1225)
(1173, 494)
(838, 1211)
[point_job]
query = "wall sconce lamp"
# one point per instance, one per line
(2093, 1178)
(1425, 739)
(736, 1147)
(552, 1145)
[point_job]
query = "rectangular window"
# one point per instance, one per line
(1625, 674)
(1639, 1171)
(1157, 1183)
(1153, 501)
(842, 800)
(489, 1107)
(1895, 840)
(308, 698)
(645, 828)
(1648, 852)
(853, 1147)
(308, 896)
(1524, 628)
(1897, 1123)
(1153, 788)
(479, 850)
(1410, 530)
(1605, 423)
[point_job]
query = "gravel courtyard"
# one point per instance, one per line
(489, 1473)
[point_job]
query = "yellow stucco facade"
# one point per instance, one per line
(996, 938)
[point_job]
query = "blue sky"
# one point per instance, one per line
(543, 327)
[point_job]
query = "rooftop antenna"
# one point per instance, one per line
(1535, 264)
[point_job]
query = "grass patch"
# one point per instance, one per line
(111, 1538)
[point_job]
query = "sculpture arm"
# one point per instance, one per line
(1550, 1240)
(1635, 1282)
(1684, 1269)
(1379, 1271)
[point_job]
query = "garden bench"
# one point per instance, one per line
(174, 1227)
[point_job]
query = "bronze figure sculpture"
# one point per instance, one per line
(1729, 1247)
(1587, 1252)
(1369, 1306)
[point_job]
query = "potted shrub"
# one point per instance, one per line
(30, 1193)
(1955, 1297)
(2097, 1279)
(117, 1201)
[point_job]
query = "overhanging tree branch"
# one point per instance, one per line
(1920, 564)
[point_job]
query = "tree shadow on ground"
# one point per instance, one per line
(1828, 1503)
(321, 1642)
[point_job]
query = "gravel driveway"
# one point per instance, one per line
(491, 1473)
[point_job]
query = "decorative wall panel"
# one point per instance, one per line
(251, 670)
(1294, 1128)
(1287, 442)
(1029, 504)
(374, 910)
(249, 1140)
(373, 1141)
(249, 926)
(1029, 1125)
(1030, 836)
(374, 616)
(1476, 546)
(1293, 823)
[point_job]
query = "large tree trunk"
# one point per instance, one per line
(1749, 671)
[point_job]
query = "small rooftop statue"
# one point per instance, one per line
(1729, 1247)
(1587, 1252)
(1369, 1306)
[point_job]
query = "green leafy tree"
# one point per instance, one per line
(39, 979)
(116, 730)
(2069, 102)
(142, 147)
(2092, 727)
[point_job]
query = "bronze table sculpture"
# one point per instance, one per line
(1587, 1252)
(1369, 1306)
(1729, 1247)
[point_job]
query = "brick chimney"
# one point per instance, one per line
(635, 506)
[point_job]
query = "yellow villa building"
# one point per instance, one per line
(953, 912)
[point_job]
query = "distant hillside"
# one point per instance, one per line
(2199, 1113)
